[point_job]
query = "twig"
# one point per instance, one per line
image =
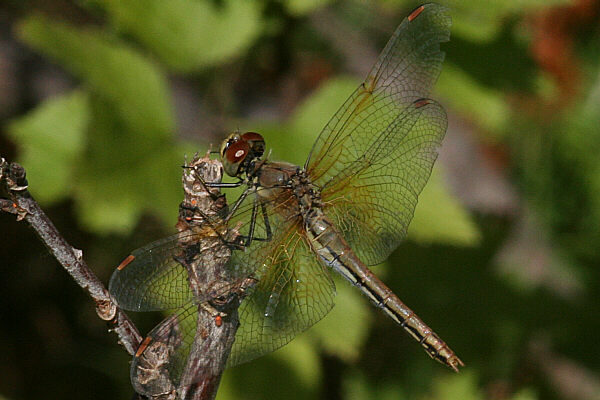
(205, 257)
(207, 271)
(22, 204)
(177, 359)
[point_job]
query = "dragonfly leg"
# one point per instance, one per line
(248, 239)
(263, 209)
(209, 185)
(242, 241)
(224, 184)
(237, 204)
(245, 241)
(239, 241)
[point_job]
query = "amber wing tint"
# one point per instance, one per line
(375, 155)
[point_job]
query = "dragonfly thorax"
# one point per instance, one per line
(275, 179)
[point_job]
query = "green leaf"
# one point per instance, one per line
(312, 115)
(111, 69)
(482, 20)
(461, 386)
(525, 394)
(294, 373)
(125, 174)
(440, 218)
(293, 140)
(356, 387)
(302, 358)
(303, 7)
(187, 35)
(50, 140)
(131, 164)
(464, 386)
(343, 332)
(466, 96)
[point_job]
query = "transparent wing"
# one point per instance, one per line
(153, 280)
(293, 292)
(375, 155)
(161, 359)
(152, 277)
(372, 202)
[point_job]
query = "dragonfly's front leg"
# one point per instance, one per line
(268, 231)
(222, 184)
(263, 208)
(246, 241)
(209, 185)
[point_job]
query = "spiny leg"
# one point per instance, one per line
(248, 239)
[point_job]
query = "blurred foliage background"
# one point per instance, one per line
(101, 99)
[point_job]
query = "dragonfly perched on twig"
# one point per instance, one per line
(186, 353)
(349, 206)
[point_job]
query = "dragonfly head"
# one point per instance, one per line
(238, 152)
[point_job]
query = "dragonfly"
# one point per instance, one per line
(347, 208)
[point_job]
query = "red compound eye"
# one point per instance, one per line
(237, 151)
(234, 156)
(252, 136)
(256, 143)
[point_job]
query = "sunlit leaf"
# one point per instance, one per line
(462, 94)
(188, 34)
(294, 372)
(110, 68)
(343, 331)
(312, 115)
(51, 139)
(301, 356)
(525, 394)
(357, 387)
(293, 140)
(461, 386)
(440, 218)
(124, 175)
(302, 7)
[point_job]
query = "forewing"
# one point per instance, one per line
(375, 155)
(293, 292)
(153, 280)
